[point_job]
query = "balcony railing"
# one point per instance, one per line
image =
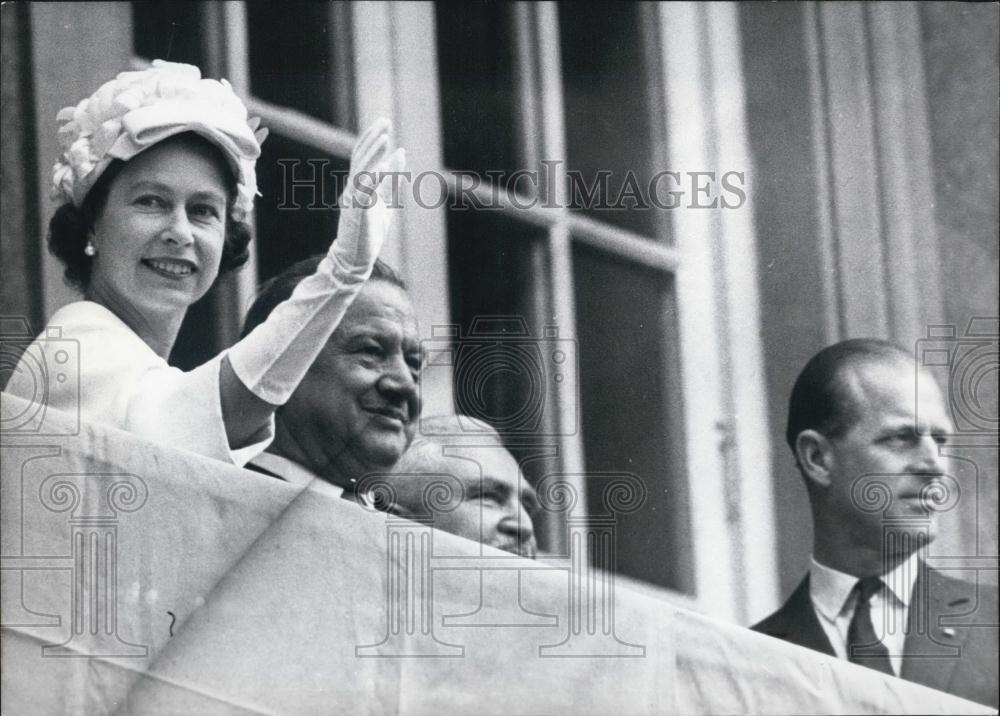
(142, 579)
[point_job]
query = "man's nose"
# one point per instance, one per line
(930, 459)
(399, 382)
(517, 523)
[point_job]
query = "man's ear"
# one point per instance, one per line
(815, 457)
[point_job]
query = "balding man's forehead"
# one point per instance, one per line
(876, 373)
(892, 388)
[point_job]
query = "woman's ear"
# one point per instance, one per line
(815, 457)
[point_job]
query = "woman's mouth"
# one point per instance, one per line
(171, 268)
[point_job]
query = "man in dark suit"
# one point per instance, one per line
(867, 439)
(356, 410)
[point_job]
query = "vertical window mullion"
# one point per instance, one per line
(344, 110)
(527, 91)
(702, 384)
(657, 104)
(754, 531)
(553, 147)
(526, 85)
(226, 55)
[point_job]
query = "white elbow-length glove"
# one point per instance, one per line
(274, 357)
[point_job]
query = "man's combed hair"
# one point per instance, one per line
(280, 288)
(821, 398)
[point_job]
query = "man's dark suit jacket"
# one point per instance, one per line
(939, 651)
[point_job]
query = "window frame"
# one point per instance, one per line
(394, 61)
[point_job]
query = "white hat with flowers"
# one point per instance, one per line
(136, 110)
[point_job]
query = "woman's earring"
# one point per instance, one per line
(89, 249)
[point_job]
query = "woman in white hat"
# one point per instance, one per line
(156, 179)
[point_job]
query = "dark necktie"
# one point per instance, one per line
(863, 645)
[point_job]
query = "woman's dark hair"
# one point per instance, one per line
(70, 227)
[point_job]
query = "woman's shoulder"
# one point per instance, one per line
(85, 319)
(99, 332)
(83, 313)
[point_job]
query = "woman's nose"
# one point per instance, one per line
(178, 231)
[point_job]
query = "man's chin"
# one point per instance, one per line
(380, 455)
(903, 540)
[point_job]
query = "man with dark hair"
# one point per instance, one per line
(465, 484)
(355, 411)
(867, 439)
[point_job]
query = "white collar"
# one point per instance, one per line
(830, 588)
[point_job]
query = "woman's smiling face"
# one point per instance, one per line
(160, 234)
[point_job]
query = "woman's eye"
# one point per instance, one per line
(206, 211)
(151, 201)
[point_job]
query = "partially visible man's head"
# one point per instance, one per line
(496, 503)
(356, 409)
(853, 427)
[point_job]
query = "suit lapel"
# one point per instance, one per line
(931, 652)
(796, 622)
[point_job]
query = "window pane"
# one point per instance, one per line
(167, 31)
(475, 70)
(608, 110)
(497, 267)
(296, 212)
(630, 402)
(291, 45)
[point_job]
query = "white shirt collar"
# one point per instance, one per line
(295, 473)
(830, 588)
